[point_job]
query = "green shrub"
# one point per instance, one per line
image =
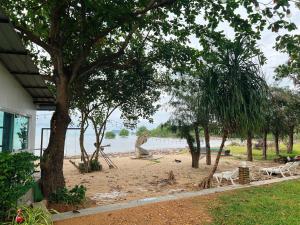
(142, 131)
(16, 179)
(34, 216)
(110, 135)
(124, 133)
(81, 168)
(72, 197)
(95, 165)
(164, 131)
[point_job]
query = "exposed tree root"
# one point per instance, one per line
(206, 183)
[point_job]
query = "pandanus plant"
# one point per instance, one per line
(237, 91)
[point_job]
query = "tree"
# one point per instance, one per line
(192, 111)
(124, 132)
(184, 121)
(284, 115)
(292, 113)
(289, 44)
(265, 127)
(75, 38)
(110, 135)
(237, 90)
(132, 91)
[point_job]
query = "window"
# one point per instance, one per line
(20, 138)
(13, 132)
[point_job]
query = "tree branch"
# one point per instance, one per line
(153, 4)
(106, 60)
(29, 35)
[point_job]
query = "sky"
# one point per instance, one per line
(266, 44)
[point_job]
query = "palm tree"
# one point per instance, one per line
(237, 91)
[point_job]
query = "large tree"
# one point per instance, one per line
(73, 38)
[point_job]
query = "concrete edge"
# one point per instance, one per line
(145, 201)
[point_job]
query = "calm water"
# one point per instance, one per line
(121, 144)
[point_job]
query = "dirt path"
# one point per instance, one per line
(191, 211)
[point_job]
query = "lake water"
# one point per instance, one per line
(122, 144)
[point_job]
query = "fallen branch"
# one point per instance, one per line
(74, 164)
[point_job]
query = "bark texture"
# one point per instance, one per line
(265, 146)
(249, 146)
(276, 139)
(291, 140)
(52, 161)
(195, 159)
(195, 151)
(207, 145)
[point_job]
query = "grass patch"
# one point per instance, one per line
(257, 153)
(276, 204)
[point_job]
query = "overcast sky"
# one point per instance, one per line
(266, 43)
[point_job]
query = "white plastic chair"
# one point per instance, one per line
(285, 169)
(227, 175)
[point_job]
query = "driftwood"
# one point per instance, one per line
(164, 182)
(74, 164)
(139, 151)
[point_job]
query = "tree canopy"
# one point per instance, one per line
(71, 39)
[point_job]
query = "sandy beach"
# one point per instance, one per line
(140, 178)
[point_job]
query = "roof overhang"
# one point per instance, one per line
(18, 62)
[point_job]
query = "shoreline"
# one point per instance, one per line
(162, 151)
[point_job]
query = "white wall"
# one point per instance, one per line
(15, 99)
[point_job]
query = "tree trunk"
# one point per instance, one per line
(207, 145)
(193, 150)
(276, 137)
(197, 151)
(206, 182)
(265, 146)
(249, 146)
(84, 155)
(97, 145)
(291, 140)
(195, 159)
(52, 161)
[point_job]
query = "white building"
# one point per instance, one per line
(22, 92)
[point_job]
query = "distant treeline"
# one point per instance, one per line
(164, 131)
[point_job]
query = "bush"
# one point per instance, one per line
(233, 143)
(124, 133)
(164, 131)
(16, 179)
(33, 216)
(110, 135)
(72, 197)
(95, 165)
(142, 131)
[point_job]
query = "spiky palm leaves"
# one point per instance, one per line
(237, 91)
